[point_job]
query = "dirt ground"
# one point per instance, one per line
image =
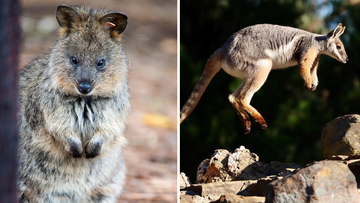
(150, 43)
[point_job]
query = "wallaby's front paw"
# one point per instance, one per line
(93, 147)
(310, 87)
(74, 148)
(313, 87)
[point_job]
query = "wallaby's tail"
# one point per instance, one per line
(213, 65)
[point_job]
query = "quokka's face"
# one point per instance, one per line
(90, 67)
(88, 58)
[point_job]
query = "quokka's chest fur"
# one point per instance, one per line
(44, 163)
(89, 114)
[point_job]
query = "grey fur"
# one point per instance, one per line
(250, 44)
(71, 143)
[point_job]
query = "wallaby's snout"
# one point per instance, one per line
(84, 87)
(341, 54)
(343, 58)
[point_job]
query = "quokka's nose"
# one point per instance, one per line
(84, 87)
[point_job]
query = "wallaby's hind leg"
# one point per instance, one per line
(241, 98)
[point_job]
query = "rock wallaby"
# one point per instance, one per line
(251, 53)
(74, 103)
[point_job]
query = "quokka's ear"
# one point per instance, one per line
(115, 23)
(337, 31)
(67, 17)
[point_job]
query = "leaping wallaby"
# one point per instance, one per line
(252, 52)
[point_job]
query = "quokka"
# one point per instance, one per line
(74, 104)
(251, 53)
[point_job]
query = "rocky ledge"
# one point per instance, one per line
(241, 177)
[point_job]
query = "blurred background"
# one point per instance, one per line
(295, 115)
(150, 43)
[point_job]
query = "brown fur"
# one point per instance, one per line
(73, 112)
(306, 64)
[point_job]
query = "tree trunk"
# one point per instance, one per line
(9, 51)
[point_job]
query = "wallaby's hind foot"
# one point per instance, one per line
(244, 117)
(259, 119)
(254, 113)
(263, 124)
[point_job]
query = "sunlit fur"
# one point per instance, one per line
(251, 53)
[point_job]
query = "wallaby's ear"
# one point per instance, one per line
(341, 32)
(337, 31)
(115, 23)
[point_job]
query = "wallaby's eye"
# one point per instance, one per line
(74, 61)
(100, 64)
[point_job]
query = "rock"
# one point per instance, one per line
(191, 198)
(201, 171)
(239, 199)
(341, 136)
(323, 182)
(239, 160)
(219, 188)
(184, 181)
(258, 188)
(240, 165)
(215, 169)
(260, 170)
(228, 198)
(342, 157)
(354, 166)
(353, 162)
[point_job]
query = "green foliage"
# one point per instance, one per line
(295, 116)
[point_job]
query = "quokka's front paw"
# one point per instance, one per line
(74, 148)
(93, 147)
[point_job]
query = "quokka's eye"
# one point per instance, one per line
(74, 61)
(100, 64)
